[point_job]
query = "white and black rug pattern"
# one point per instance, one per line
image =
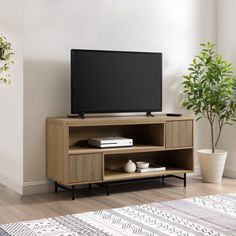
(210, 215)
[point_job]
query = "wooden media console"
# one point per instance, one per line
(162, 140)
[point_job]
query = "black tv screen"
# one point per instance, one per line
(114, 81)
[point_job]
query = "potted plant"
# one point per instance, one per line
(210, 91)
(5, 59)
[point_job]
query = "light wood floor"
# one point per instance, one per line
(14, 207)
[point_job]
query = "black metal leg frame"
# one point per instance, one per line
(108, 184)
(178, 177)
(72, 189)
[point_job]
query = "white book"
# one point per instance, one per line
(151, 169)
(108, 140)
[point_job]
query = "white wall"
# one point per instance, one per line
(11, 99)
(226, 42)
(52, 28)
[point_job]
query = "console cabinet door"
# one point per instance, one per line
(179, 134)
(85, 168)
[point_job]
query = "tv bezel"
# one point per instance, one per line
(115, 111)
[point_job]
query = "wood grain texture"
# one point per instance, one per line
(134, 149)
(14, 207)
(117, 120)
(57, 152)
(116, 175)
(70, 160)
(179, 134)
(85, 168)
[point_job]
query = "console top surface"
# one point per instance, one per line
(116, 120)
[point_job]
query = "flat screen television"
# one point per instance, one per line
(115, 81)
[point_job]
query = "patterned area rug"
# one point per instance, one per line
(210, 215)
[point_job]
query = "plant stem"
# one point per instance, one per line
(212, 137)
(220, 129)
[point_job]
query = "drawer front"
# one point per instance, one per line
(85, 168)
(179, 134)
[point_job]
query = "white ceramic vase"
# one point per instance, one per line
(129, 167)
(212, 165)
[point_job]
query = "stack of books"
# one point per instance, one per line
(151, 169)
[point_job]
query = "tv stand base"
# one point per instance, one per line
(108, 184)
(80, 115)
(72, 189)
(149, 114)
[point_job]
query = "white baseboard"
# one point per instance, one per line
(34, 187)
(44, 186)
(12, 184)
(231, 173)
(47, 186)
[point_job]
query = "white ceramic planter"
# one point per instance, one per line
(212, 165)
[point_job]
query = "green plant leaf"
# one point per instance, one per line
(210, 87)
(5, 57)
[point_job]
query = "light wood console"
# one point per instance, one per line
(162, 140)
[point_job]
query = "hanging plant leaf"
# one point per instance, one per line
(5, 59)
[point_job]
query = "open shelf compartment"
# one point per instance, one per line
(176, 162)
(116, 176)
(148, 136)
